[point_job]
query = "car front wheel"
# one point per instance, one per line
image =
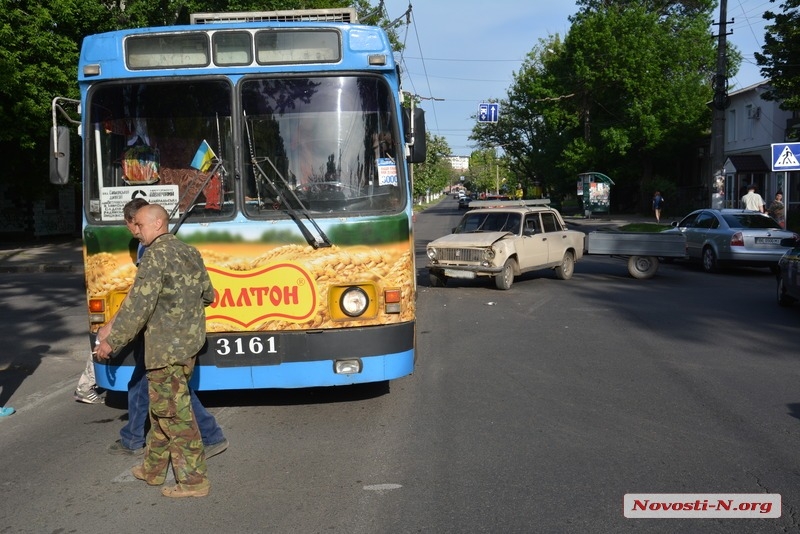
(438, 280)
(709, 260)
(505, 278)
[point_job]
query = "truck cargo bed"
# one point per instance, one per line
(636, 244)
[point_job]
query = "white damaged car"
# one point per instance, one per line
(503, 239)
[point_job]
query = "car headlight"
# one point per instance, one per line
(488, 254)
(354, 301)
(431, 253)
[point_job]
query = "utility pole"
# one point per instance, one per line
(721, 103)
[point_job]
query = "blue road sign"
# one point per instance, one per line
(488, 112)
(786, 156)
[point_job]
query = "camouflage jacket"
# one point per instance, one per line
(167, 300)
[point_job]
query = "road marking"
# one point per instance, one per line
(382, 487)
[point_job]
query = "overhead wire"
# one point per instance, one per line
(425, 69)
(748, 13)
(402, 61)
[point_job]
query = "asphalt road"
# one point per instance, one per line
(531, 410)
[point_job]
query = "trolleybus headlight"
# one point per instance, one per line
(354, 301)
(432, 253)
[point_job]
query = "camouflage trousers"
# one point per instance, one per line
(174, 435)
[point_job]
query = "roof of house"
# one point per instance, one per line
(762, 84)
(748, 163)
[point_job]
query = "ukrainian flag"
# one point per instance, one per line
(204, 157)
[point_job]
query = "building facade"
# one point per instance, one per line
(459, 163)
(752, 125)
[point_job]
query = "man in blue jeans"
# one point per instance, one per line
(132, 435)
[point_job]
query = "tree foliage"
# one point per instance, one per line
(779, 62)
(39, 44)
(623, 93)
(434, 175)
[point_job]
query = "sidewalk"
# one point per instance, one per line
(57, 254)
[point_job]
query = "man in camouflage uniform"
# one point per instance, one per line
(167, 300)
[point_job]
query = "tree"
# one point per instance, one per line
(141, 13)
(624, 94)
(487, 171)
(532, 121)
(38, 60)
(779, 62)
(641, 76)
(434, 174)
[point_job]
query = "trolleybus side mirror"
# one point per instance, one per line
(59, 155)
(414, 125)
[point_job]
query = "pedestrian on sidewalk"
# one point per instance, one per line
(658, 204)
(777, 209)
(752, 200)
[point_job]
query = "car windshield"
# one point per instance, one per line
(489, 222)
(749, 220)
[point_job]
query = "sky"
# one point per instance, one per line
(459, 53)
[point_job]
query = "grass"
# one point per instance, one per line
(643, 227)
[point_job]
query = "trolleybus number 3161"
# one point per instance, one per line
(254, 345)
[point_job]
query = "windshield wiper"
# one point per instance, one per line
(312, 240)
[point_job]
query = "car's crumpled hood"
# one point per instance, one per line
(474, 239)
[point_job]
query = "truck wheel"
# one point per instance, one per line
(438, 280)
(567, 267)
(709, 260)
(505, 278)
(642, 267)
(783, 298)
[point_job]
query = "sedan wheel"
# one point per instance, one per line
(505, 278)
(709, 260)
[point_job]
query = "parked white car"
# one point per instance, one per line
(503, 239)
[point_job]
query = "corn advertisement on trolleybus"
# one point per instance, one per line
(280, 143)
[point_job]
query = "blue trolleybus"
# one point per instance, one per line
(280, 143)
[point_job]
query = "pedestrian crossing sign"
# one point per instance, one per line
(786, 156)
